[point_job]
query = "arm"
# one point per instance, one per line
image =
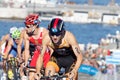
(20, 45)
(4, 39)
(9, 46)
(27, 52)
(40, 58)
(72, 41)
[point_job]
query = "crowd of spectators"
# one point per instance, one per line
(96, 57)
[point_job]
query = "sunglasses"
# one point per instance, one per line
(56, 34)
(30, 26)
(16, 38)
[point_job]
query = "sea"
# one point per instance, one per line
(96, 2)
(84, 33)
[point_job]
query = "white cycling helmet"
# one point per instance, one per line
(15, 34)
(12, 29)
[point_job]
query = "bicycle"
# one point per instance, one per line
(12, 69)
(54, 77)
(59, 76)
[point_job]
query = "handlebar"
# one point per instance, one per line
(58, 77)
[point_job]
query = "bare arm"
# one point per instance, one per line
(72, 41)
(40, 58)
(27, 52)
(20, 44)
(4, 39)
(9, 46)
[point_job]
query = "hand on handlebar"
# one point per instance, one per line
(37, 76)
(20, 60)
(72, 74)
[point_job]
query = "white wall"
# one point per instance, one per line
(110, 19)
(13, 12)
(80, 17)
(39, 1)
(77, 17)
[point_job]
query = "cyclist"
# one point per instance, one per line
(64, 48)
(11, 50)
(4, 40)
(21, 56)
(33, 37)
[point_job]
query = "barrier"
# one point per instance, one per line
(87, 70)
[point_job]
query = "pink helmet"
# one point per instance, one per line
(32, 19)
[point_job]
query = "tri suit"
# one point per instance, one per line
(62, 57)
(35, 47)
(13, 50)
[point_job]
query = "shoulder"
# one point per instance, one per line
(25, 35)
(46, 38)
(68, 34)
(11, 41)
(6, 37)
(23, 32)
(43, 29)
(70, 37)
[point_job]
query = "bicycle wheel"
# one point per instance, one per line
(10, 75)
(14, 68)
(8, 70)
(15, 73)
(12, 72)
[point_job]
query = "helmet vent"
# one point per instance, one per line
(54, 30)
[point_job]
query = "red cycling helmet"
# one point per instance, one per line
(32, 19)
(56, 26)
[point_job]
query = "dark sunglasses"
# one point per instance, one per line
(56, 34)
(16, 38)
(30, 26)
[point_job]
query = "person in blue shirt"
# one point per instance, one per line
(11, 49)
(5, 39)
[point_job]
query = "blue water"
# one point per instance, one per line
(96, 2)
(84, 33)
